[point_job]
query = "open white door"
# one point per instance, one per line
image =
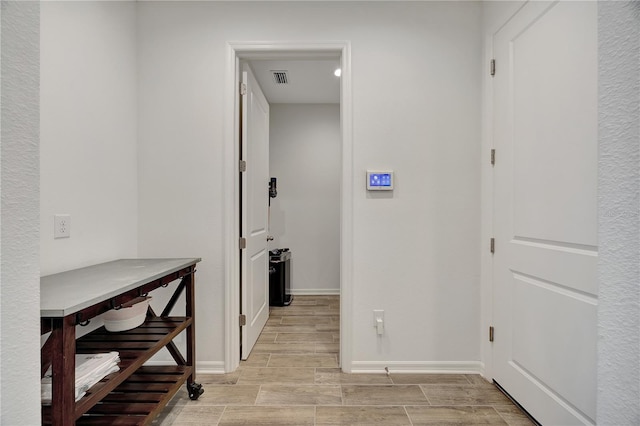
(255, 257)
(545, 211)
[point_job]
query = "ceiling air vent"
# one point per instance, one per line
(280, 77)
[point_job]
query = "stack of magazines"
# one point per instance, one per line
(90, 369)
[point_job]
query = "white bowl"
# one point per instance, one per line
(127, 317)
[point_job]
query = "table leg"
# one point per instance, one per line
(63, 365)
(194, 389)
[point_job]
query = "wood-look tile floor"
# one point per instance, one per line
(292, 378)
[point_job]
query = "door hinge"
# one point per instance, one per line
(491, 333)
(243, 320)
(243, 166)
(243, 89)
(492, 245)
(493, 157)
(492, 67)
(242, 243)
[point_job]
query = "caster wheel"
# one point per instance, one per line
(194, 390)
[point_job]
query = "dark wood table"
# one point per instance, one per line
(137, 393)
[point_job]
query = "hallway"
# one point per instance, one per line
(292, 378)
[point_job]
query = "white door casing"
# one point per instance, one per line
(545, 210)
(255, 257)
(237, 51)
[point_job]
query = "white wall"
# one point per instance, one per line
(305, 155)
(619, 210)
(416, 96)
(88, 164)
(19, 213)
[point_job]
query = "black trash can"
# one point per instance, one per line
(280, 277)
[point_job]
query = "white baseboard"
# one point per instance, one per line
(210, 367)
(315, 291)
(450, 367)
(204, 367)
(483, 370)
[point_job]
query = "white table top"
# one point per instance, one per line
(71, 291)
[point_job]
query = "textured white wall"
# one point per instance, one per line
(19, 213)
(0, 214)
(88, 164)
(305, 156)
(416, 96)
(619, 210)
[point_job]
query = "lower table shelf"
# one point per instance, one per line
(136, 392)
(139, 398)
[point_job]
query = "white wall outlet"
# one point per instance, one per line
(61, 226)
(378, 321)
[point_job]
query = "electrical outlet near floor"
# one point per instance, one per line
(378, 321)
(61, 226)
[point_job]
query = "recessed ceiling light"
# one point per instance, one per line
(337, 72)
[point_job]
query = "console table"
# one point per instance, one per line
(137, 393)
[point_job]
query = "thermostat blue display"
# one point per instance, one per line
(379, 180)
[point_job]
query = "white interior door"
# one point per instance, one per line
(255, 257)
(545, 217)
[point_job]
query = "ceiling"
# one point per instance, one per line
(309, 81)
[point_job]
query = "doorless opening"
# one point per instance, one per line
(238, 52)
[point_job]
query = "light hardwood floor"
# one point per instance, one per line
(292, 378)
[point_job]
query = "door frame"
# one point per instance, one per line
(237, 51)
(487, 192)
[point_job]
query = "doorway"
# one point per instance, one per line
(238, 52)
(290, 137)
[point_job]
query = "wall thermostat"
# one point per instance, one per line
(379, 180)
